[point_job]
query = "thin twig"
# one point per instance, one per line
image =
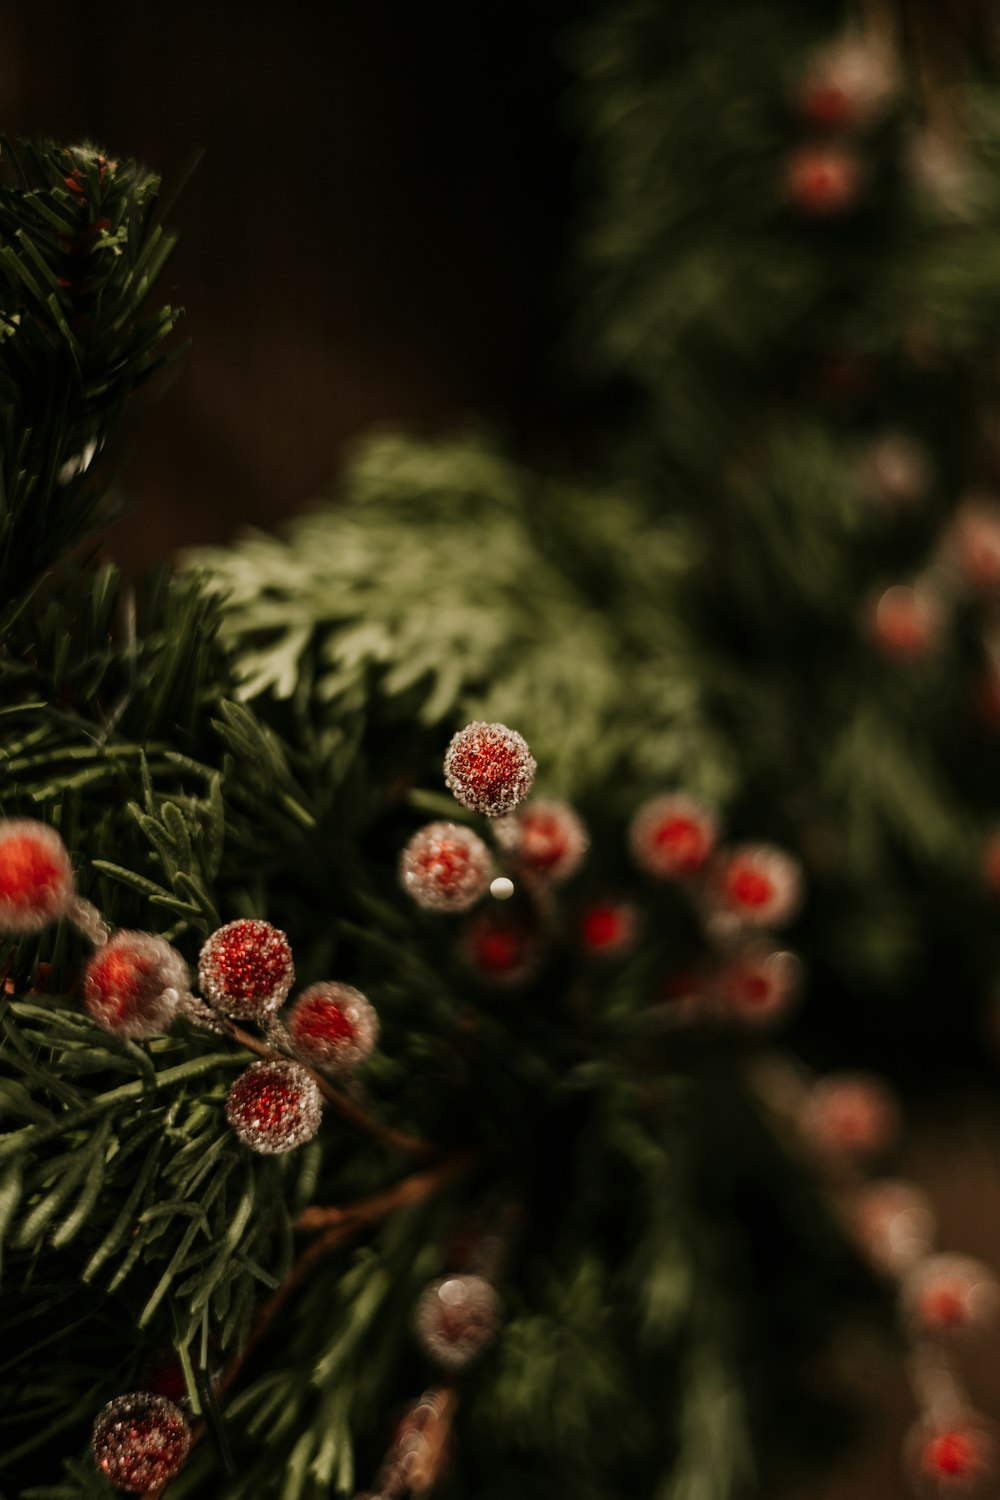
(349, 1220)
(411, 1145)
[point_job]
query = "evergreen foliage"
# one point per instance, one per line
(262, 735)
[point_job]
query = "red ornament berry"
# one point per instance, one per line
(544, 837)
(608, 928)
(894, 1225)
(895, 471)
(753, 885)
(456, 1318)
(845, 86)
(953, 1458)
(489, 768)
(823, 180)
(973, 543)
(445, 867)
(140, 1441)
(36, 876)
(851, 1117)
(991, 862)
(757, 984)
(134, 984)
(245, 969)
(274, 1107)
(501, 947)
(333, 1025)
(948, 1296)
(905, 622)
(672, 836)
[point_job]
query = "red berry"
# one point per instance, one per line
(991, 862)
(846, 85)
(608, 928)
(134, 984)
(456, 1318)
(501, 947)
(823, 180)
(246, 970)
(36, 876)
(274, 1107)
(333, 1025)
(754, 885)
(489, 768)
(949, 1295)
(894, 1223)
(851, 1117)
(956, 1459)
(545, 837)
(445, 867)
(757, 983)
(140, 1441)
(672, 836)
(905, 622)
(974, 543)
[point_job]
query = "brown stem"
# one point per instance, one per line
(396, 1139)
(348, 1221)
(429, 1459)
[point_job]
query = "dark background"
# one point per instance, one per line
(378, 229)
(371, 231)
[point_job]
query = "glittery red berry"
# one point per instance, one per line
(823, 180)
(957, 1458)
(947, 1296)
(974, 543)
(894, 1224)
(608, 928)
(445, 867)
(333, 1025)
(36, 877)
(757, 983)
(501, 947)
(845, 85)
(134, 984)
(753, 885)
(905, 622)
(456, 1318)
(140, 1441)
(544, 837)
(245, 969)
(274, 1107)
(489, 768)
(851, 1117)
(672, 836)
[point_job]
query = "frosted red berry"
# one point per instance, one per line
(501, 947)
(140, 1441)
(904, 622)
(845, 85)
(756, 983)
(974, 543)
(456, 1318)
(957, 1457)
(489, 768)
(445, 867)
(851, 1117)
(274, 1107)
(672, 836)
(544, 837)
(894, 1224)
(608, 928)
(823, 180)
(333, 1025)
(948, 1296)
(36, 876)
(134, 984)
(754, 885)
(246, 970)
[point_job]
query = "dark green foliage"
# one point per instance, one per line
(80, 250)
